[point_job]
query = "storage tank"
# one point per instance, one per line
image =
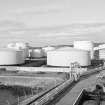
(46, 49)
(101, 46)
(85, 45)
(96, 54)
(12, 46)
(66, 56)
(100, 51)
(102, 54)
(11, 57)
(20, 46)
(36, 53)
(24, 47)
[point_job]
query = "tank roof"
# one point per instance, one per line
(8, 49)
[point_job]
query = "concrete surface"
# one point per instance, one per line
(71, 96)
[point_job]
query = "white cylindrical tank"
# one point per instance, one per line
(102, 46)
(96, 54)
(24, 47)
(85, 45)
(66, 56)
(11, 46)
(36, 53)
(20, 46)
(11, 57)
(102, 54)
(46, 49)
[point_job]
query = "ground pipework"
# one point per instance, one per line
(67, 92)
(45, 85)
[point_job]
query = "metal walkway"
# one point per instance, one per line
(67, 93)
(73, 93)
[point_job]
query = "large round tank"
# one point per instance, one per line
(11, 57)
(102, 54)
(66, 56)
(102, 46)
(20, 46)
(96, 54)
(46, 49)
(12, 46)
(85, 45)
(24, 47)
(102, 51)
(36, 53)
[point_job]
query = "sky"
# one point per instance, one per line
(51, 22)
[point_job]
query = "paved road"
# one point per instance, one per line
(71, 96)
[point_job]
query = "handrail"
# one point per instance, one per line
(55, 91)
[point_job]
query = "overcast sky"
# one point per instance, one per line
(40, 19)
